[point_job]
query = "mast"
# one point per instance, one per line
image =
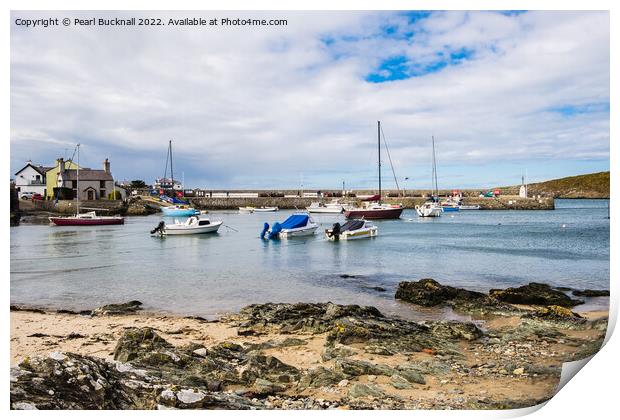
(436, 191)
(77, 195)
(379, 149)
(171, 172)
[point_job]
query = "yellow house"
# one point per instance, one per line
(51, 176)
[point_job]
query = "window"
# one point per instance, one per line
(101, 184)
(74, 184)
(102, 194)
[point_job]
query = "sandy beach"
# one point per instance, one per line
(499, 361)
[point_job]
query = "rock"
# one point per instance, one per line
(332, 352)
(591, 293)
(366, 390)
(399, 382)
(353, 368)
(518, 371)
(343, 383)
(118, 308)
(202, 352)
(320, 377)
(142, 344)
(265, 387)
(534, 294)
(269, 368)
(412, 376)
(272, 344)
(428, 292)
(456, 330)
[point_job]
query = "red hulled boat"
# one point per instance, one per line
(376, 210)
(87, 219)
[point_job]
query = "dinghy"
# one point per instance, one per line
(298, 224)
(192, 226)
(352, 229)
(265, 209)
(246, 210)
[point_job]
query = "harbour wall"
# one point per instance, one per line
(501, 203)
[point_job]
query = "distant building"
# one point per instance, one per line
(31, 178)
(167, 184)
(94, 184)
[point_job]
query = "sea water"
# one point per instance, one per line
(85, 267)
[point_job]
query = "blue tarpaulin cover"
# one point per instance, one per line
(295, 221)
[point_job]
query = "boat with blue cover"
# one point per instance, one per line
(179, 211)
(298, 224)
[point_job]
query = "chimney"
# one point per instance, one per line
(61, 165)
(106, 166)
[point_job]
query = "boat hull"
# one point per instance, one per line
(173, 230)
(374, 214)
(353, 234)
(325, 210)
(476, 207)
(71, 221)
(449, 209)
(294, 233)
(266, 209)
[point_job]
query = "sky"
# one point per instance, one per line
(503, 93)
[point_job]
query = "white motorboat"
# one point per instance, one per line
(265, 209)
(334, 207)
(192, 226)
(246, 210)
(298, 224)
(429, 209)
(352, 229)
(469, 207)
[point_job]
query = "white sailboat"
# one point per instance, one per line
(431, 208)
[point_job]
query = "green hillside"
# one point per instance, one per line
(581, 186)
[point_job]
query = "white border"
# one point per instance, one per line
(592, 395)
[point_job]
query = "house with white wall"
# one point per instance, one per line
(31, 178)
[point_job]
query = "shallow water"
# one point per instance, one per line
(85, 267)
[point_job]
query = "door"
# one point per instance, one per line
(91, 195)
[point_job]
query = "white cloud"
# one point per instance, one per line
(277, 102)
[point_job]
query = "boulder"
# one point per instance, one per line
(320, 377)
(366, 390)
(428, 292)
(119, 308)
(591, 293)
(269, 368)
(534, 294)
(353, 368)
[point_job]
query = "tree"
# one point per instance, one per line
(138, 183)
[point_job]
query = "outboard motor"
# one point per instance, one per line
(335, 233)
(265, 229)
(159, 228)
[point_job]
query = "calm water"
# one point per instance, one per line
(85, 267)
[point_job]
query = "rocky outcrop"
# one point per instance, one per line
(118, 308)
(534, 294)
(428, 292)
(591, 293)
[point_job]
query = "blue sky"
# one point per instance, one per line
(502, 92)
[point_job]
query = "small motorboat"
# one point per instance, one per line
(265, 209)
(375, 210)
(429, 209)
(246, 210)
(192, 226)
(448, 206)
(333, 208)
(179, 211)
(352, 229)
(469, 207)
(298, 224)
(86, 219)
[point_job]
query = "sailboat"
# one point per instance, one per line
(376, 209)
(178, 208)
(431, 208)
(84, 219)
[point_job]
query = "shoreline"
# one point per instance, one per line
(305, 355)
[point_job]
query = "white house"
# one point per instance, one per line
(31, 178)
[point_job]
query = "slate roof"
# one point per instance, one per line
(87, 175)
(39, 168)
